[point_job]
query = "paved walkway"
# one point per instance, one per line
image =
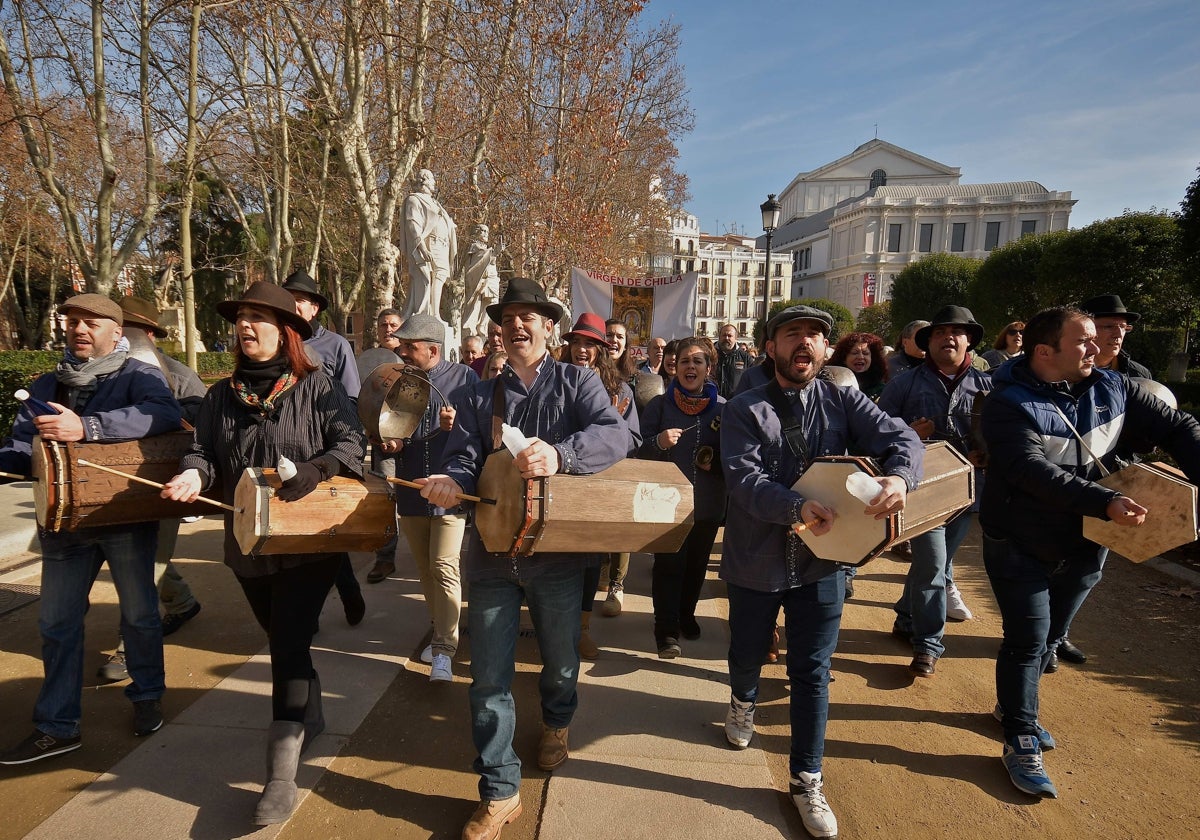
(648, 754)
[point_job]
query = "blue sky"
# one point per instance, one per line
(1098, 97)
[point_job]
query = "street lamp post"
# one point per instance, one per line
(770, 220)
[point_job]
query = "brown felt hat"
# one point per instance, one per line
(139, 312)
(267, 296)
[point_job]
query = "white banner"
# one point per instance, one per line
(662, 307)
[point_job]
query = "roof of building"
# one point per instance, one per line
(959, 190)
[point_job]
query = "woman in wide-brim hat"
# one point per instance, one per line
(586, 346)
(277, 404)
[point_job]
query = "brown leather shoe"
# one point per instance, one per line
(552, 750)
(923, 665)
(490, 818)
(381, 571)
(773, 653)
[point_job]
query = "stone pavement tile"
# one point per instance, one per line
(170, 787)
(18, 524)
(630, 797)
(661, 766)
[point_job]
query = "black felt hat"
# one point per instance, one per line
(524, 290)
(1103, 306)
(951, 316)
(299, 281)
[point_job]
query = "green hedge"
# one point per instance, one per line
(1153, 347)
(18, 368)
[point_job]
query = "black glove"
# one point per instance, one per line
(305, 480)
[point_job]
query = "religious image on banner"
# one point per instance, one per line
(635, 308)
(662, 307)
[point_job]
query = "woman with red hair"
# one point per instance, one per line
(862, 352)
(277, 404)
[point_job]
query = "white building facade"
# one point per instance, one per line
(848, 246)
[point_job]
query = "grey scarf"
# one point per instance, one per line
(79, 376)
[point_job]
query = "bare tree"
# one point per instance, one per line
(89, 62)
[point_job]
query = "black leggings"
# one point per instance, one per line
(287, 605)
(678, 577)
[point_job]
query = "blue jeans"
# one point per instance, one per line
(812, 615)
(70, 563)
(922, 605)
(494, 616)
(1037, 603)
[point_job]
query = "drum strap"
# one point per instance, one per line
(793, 431)
(498, 415)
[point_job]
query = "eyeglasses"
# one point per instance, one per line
(1016, 332)
(1123, 328)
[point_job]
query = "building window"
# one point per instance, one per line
(799, 291)
(778, 269)
(704, 265)
(721, 267)
(878, 179)
(958, 236)
(703, 307)
(743, 286)
(742, 328)
(743, 309)
(703, 285)
(991, 237)
(720, 311)
(758, 309)
(745, 268)
(776, 288)
(691, 265)
(677, 266)
(719, 284)
(676, 246)
(702, 328)
(926, 243)
(893, 239)
(760, 269)
(1028, 226)
(758, 288)
(691, 247)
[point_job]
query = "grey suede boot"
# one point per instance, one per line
(284, 739)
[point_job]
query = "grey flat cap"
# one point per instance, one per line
(422, 327)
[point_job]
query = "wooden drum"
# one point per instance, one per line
(342, 514)
(1170, 502)
(68, 496)
(631, 506)
(947, 489)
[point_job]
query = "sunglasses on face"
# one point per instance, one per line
(1016, 332)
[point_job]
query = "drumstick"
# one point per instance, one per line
(804, 526)
(404, 482)
(149, 483)
(14, 476)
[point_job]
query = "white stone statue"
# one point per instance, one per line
(482, 283)
(431, 245)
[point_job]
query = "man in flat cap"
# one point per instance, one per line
(571, 426)
(99, 394)
(769, 437)
(434, 533)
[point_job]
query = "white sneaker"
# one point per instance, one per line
(956, 608)
(427, 654)
(440, 672)
(739, 723)
(809, 799)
